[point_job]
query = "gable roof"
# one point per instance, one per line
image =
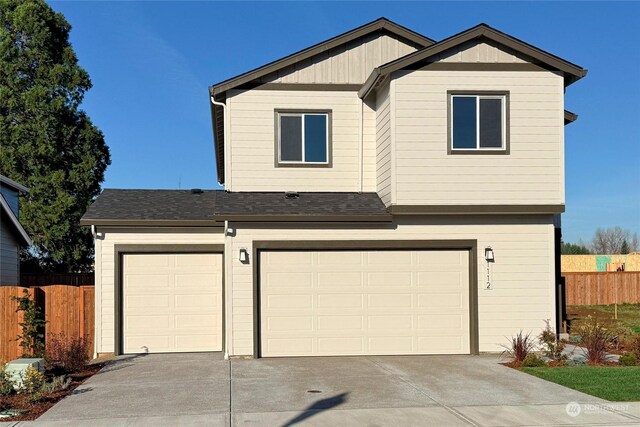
(218, 90)
(380, 24)
(13, 220)
(213, 207)
(11, 183)
(572, 72)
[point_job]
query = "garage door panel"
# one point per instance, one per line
(172, 302)
(339, 258)
(341, 301)
(341, 345)
(288, 280)
(141, 283)
(386, 278)
(340, 279)
(137, 303)
(364, 302)
(339, 323)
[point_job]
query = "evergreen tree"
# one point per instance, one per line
(46, 142)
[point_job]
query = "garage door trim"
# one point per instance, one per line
(120, 250)
(279, 245)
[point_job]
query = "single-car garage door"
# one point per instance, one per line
(172, 303)
(325, 303)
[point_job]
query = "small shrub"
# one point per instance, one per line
(6, 383)
(32, 380)
(552, 347)
(519, 347)
(633, 346)
(35, 397)
(621, 334)
(533, 361)
(68, 354)
(32, 337)
(597, 336)
(628, 359)
(57, 383)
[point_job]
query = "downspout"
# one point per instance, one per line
(361, 148)
(227, 182)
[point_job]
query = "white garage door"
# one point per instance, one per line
(172, 303)
(322, 303)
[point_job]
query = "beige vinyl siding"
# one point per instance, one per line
(105, 267)
(351, 63)
(523, 274)
(533, 171)
(9, 259)
(253, 145)
(383, 144)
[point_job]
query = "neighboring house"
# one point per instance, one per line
(594, 263)
(384, 194)
(12, 234)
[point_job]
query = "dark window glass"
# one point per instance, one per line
(315, 138)
(490, 123)
(290, 138)
(464, 122)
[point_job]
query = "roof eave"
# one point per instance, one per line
(569, 117)
(572, 72)
(148, 222)
(304, 218)
(11, 183)
(26, 240)
(377, 25)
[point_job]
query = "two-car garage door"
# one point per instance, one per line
(321, 303)
(172, 302)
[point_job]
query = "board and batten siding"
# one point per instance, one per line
(351, 63)
(522, 276)
(533, 171)
(252, 157)
(105, 268)
(486, 51)
(9, 255)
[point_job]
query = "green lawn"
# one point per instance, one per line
(629, 314)
(620, 384)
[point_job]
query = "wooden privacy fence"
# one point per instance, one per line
(67, 309)
(603, 288)
(47, 279)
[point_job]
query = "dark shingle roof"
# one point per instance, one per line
(276, 206)
(151, 207)
(183, 207)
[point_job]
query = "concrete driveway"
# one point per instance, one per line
(204, 389)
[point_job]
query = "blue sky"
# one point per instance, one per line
(151, 64)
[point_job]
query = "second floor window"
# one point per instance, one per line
(478, 122)
(303, 138)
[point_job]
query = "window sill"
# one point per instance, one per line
(480, 152)
(303, 165)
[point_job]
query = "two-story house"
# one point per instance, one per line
(384, 193)
(13, 237)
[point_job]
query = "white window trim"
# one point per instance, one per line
(503, 120)
(303, 162)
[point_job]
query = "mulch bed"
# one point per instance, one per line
(21, 401)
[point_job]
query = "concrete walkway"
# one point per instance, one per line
(204, 389)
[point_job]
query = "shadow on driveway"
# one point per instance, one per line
(318, 406)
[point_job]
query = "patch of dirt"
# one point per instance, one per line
(21, 401)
